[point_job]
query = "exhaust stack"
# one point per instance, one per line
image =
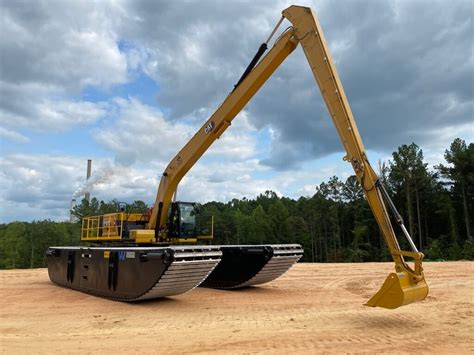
(87, 195)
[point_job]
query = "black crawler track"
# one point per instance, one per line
(248, 265)
(131, 273)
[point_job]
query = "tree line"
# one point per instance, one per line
(333, 225)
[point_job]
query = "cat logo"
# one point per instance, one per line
(209, 127)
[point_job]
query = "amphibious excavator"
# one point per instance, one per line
(140, 256)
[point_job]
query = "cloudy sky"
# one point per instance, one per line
(126, 83)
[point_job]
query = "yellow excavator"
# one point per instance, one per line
(141, 256)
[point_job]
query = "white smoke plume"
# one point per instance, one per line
(102, 175)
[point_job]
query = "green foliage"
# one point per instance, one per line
(468, 250)
(459, 175)
(357, 250)
(13, 246)
(23, 245)
(409, 179)
(455, 252)
(434, 251)
(95, 207)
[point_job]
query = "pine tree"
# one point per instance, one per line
(460, 174)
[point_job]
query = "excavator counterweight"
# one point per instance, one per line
(136, 258)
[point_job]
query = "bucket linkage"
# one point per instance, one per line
(406, 285)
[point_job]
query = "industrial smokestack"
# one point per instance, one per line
(87, 195)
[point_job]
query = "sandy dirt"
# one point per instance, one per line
(312, 308)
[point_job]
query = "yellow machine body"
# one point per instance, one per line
(143, 236)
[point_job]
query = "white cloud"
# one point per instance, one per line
(50, 52)
(31, 182)
(441, 139)
(41, 186)
(28, 106)
(141, 132)
(13, 136)
(238, 142)
(399, 71)
(53, 50)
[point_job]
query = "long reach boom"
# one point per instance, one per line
(407, 284)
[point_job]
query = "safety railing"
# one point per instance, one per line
(105, 227)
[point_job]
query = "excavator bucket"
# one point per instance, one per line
(399, 289)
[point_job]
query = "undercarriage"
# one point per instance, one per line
(140, 273)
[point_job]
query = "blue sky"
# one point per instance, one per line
(126, 84)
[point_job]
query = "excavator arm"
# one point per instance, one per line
(407, 284)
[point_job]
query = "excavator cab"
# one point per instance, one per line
(182, 220)
(187, 225)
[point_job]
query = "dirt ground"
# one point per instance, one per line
(312, 308)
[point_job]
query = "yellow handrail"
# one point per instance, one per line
(105, 227)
